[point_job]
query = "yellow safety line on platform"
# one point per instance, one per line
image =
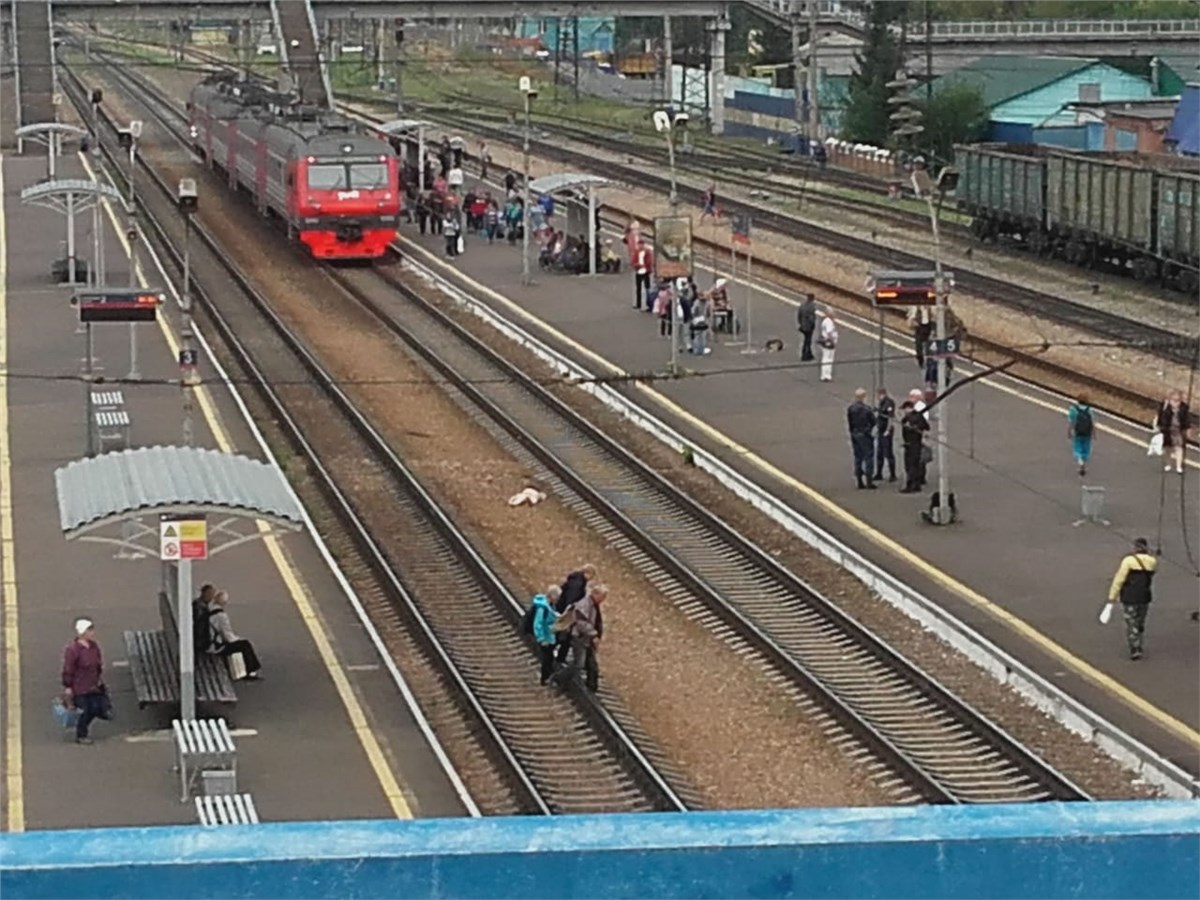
(944, 579)
(14, 776)
(291, 578)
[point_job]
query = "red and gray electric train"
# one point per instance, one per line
(336, 188)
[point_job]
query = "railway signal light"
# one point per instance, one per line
(399, 32)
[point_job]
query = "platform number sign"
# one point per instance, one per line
(943, 349)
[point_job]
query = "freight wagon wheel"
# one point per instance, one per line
(1189, 281)
(1145, 269)
(1076, 253)
(1038, 242)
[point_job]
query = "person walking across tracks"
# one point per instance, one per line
(1132, 587)
(860, 420)
(1080, 427)
(585, 631)
(83, 680)
(574, 588)
(539, 623)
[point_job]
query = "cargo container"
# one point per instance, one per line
(1178, 238)
(1135, 214)
(1003, 191)
(1100, 209)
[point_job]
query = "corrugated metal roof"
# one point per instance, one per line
(1001, 78)
(562, 181)
(131, 481)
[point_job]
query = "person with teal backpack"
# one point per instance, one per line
(1080, 428)
(538, 622)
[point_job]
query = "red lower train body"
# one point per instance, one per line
(336, 190)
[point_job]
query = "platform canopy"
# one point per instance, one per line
(566, 181)
(126, 486)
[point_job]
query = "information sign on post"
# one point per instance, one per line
(117, 305)
(182, 537)
(189, 359)
(673, 247)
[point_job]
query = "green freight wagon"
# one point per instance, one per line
(1178, 246)
(1100, 209)
(1003, 189)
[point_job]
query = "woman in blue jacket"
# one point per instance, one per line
(543, 619)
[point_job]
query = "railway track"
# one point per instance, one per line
(412, 567)
(918, 738)
(1107, 325)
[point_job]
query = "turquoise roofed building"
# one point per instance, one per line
(596, 33)
(1025, 93)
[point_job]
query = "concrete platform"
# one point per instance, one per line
(322, 737)
(1014, 554)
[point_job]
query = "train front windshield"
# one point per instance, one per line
(347, 176)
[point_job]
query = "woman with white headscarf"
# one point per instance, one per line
(83, 679)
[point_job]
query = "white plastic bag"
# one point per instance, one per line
(1106, 613)
(1156, 445)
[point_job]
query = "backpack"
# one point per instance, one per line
(527, 620)
(1083, 421)
(202, 638)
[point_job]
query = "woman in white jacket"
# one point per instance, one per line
(828, 343)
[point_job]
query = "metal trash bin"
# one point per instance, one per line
(219, 781)
(1092, 505)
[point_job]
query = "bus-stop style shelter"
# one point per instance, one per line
(179, 504)
(575, 181)
(402, 130)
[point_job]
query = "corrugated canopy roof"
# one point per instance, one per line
(1001, 78)
(562, 181)
(170, 479)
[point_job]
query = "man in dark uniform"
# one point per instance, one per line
(806, 322)
(885, 431)
(860, 419)
(913, 426)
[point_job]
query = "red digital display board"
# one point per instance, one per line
(117, 305)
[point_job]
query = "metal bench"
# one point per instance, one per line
(112, 426)
(107, 400)
(205, 746)
(154, 664)
(230, 809)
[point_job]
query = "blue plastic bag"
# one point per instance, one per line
(64, 716)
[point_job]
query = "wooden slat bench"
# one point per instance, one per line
(154, 664)
(202, 745)
(226, 809)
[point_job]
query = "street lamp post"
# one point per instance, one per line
(128, 139)
(666, 121)
(530, 92)
(946, 181)
(188, 203)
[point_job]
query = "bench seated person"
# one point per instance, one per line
(154, 664)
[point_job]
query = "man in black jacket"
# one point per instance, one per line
(860, 419)
(913, 426)
(806, 322)
(885, 431)
(574, 589)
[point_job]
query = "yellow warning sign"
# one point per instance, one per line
(183, 538)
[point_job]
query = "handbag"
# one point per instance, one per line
(926, 454)
(65, 716)
(1155, 447)
(1106, 613)
(237, 665)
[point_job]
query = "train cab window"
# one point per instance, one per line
(369, 176)
(327, 177)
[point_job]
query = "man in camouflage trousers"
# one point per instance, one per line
(1132, 587)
